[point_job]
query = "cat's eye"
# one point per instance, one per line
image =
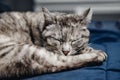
(75, 41)
(60, 40)
(54, 38)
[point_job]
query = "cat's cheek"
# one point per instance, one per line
(74, 45)
(51, 42)
(72, 52)
(61, 52)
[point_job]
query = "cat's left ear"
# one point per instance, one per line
(87, 14)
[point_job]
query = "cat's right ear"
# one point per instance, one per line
(45, 10)
(46, 13)
(47, 16)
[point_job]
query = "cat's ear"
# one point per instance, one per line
(48, 17)
(47, 14)
(87, 14)
(45, 10)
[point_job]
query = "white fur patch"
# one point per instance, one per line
(66, 47)
(87, 56)
(49, 56)
(4, 39)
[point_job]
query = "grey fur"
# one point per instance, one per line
(42, 42)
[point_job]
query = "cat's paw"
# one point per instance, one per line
(101, 56)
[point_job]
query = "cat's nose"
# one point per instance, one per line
(65, 52)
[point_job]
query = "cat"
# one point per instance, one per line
(43, 42)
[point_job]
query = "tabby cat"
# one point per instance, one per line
(43, 42)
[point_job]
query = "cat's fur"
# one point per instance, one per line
(42, 42)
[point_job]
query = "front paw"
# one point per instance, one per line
(101, 56)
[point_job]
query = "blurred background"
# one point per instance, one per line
(103, 9)
(105, 12)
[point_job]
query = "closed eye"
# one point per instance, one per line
(75, 40)
(54, 38)
(60, 40)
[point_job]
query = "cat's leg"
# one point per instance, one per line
(89, 50)
(59, 62)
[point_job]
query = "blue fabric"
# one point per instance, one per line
(102, 38)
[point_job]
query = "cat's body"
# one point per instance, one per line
(43, 42)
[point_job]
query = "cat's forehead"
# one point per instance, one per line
(69, 18)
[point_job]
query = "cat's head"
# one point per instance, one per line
(66, 33)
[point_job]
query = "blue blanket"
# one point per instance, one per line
(105, 36)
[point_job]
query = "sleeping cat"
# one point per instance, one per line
(43, 42)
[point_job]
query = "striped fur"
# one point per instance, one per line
(33, 43)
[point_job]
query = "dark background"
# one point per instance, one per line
(64, 6)
(18, 5)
